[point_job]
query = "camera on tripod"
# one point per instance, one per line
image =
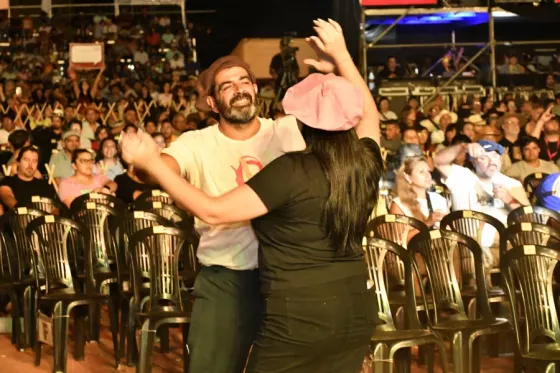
(288, 51)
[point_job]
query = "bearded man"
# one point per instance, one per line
(486, 189)
(218, 159)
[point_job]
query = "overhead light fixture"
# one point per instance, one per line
(503, 14)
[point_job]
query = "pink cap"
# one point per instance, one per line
(326, 102)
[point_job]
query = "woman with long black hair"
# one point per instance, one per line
(309, 211)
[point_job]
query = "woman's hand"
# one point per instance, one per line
(329, 45)
(139, 149)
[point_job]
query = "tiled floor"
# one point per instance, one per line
(99, 359)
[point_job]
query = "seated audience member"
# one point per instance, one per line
(412, 197)
(410, 136)
(129, 186)
(486, 189)
(18, 189)
(391, 140)
(511, 126)
(84, 180)
(8, 127)
(531, 163)
(76, 126)
(17, 141)
(61, 161)
(107, 160)
(159, 140)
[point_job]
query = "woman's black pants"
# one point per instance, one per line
(318, 329)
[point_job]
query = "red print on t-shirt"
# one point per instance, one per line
(242, 172)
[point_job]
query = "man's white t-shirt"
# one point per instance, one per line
(468, 192)
(217, 164)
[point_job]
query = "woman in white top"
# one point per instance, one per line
(412, 196)
(385, 112)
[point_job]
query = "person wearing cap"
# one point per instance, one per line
(531, 163)
(548, 192)
(486, 189)
(61, 161)
(309, 209)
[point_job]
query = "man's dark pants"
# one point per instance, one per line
(225, 319)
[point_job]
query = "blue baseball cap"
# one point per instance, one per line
(491, 146)
(548, 192)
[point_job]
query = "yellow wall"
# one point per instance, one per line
(258, 53)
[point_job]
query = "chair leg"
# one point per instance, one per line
(146, 348)
(131, 348)
(442, 349)
(37, 349)
(114, 320)
(80, 314)
(466, 359)
(29, 315)
(430, 356)
(163, 334)
(60, 337)
(123, 327)
(381, 361)
(186, 351)
(94, 322)
(17, 335)
(402, 360)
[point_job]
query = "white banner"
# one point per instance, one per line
(180, 3)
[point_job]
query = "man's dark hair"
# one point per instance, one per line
(526, 140)
(18, 139)
(25, 149)
(460, 139)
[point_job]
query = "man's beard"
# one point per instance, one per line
(238, 115)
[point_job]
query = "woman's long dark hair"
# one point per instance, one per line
(353, 171)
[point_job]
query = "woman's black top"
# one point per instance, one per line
(294, 247)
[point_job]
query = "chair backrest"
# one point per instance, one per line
(528, 273)
(160, 249)
(532, 182)
(171, 212)
(18, 220)
(59, 239)
(8, 261)
(436, 250)
(102, 223)
(45, 204)
(535, 214)
(133, 222)
(154, 195)
(528, 233)
(80, 202)
(397, 229)
(376, 251)
(479, 227)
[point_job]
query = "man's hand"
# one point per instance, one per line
(503, 195)
(329, 45)
(547, 115)
(476, 150)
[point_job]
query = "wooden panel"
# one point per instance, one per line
(259, 52)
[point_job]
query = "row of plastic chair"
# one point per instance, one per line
(92, 261)
(526, 226)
